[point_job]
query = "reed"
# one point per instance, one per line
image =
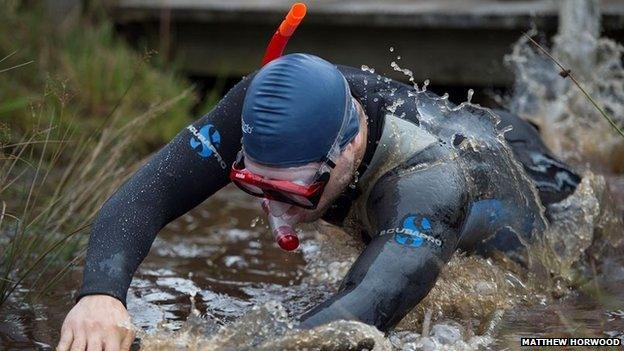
(52, 183)
(79, 110)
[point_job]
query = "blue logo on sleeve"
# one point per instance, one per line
(414, 232)
(206, 140)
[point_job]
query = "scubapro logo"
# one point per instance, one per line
(208, 137)
(206, 140)
(413, 233)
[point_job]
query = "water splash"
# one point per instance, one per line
(395, 104)
(405, 71)
(570, 125)
(255, 221)
(583, 232)
(425, 85)
(365, 68)
(469, 96)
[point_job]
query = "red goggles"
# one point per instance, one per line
(306, 196)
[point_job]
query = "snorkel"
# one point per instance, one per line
(284, 32)
(283, 232)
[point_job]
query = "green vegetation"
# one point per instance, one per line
(78, 65)
(78, 111)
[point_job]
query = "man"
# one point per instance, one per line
(420, 177)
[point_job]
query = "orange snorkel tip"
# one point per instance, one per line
(292, 20)
(285, 30)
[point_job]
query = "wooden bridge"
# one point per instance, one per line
(451, 42)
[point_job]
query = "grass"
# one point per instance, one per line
(79, 62)
(56, 185)
(79, 110)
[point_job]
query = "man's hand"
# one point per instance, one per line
(97, 322)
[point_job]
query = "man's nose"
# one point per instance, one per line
(278, 208)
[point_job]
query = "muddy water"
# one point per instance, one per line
(216, 271)
(217, 253)
(247, 292)
(250, 293)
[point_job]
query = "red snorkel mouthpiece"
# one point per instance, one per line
(283, 233)
(284, 31)
(286, 238)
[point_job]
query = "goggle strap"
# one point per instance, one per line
(330, 163)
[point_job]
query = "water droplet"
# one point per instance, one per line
(425, 85)
(395, 104)
(368, 69)
(469, 97)
(254, 222)
(405, 71)
(399, 57)
(392, 49)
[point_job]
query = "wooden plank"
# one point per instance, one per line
(405, 13)
(450, 42)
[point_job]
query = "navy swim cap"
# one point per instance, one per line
(293, 111)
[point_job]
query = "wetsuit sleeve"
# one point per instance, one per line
(417, 217)
(192, 167)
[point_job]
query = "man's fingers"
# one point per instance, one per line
(94, 343)
(67, 336)
(80, 341)
(112, 341)
(127, 341)
(95, 325)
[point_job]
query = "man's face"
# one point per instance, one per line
(340, 177)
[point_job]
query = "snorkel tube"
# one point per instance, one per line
(283, 232)
(284, 32)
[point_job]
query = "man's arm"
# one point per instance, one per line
(193, 166)
(417, 216)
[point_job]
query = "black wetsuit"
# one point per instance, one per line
(451, 192)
